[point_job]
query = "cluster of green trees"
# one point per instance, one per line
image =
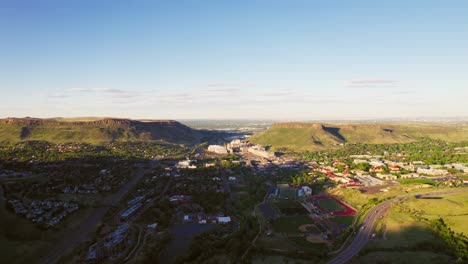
(46, 151)
(458, 243)
(221, 243)
(427, 150)
(160, 212)
(227, 244)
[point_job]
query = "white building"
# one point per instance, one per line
(432, 172)
(306, 190)
(224, 219)
(218, 149)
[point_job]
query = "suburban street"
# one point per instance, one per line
(363, 236)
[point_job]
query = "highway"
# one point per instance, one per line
(363, 235)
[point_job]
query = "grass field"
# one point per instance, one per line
(343, 219)
(402, 239)
(239, 188)
(303, 243)
(268, 259)
(417, 181)
(402, 257)
(453, 208)
(289, 193)
(330, 205)
(290, 224)
(290, 244)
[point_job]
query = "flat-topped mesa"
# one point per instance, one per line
(106, 121)
(298, 125)
(96, 130)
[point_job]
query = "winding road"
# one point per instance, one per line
(363, 235)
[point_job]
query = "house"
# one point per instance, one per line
(376, 169)
(186, 164)
(307, 190)
(300, 193)
(116, 242)
(152, 226)
(432, 171)
(218, 149)
(224, 219)
(389, 177)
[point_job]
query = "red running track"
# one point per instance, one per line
(348, 210)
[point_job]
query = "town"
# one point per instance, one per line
(211, 190)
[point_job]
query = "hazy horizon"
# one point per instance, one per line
(258, 60)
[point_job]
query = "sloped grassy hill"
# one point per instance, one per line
(13, 130)
(314, 136)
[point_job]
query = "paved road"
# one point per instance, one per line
(361, 239)
(74, 237)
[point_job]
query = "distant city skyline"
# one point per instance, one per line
(275, 60)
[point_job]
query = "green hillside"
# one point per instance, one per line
(95, 131)
(314, 136)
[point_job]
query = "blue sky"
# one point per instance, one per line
(234, 59)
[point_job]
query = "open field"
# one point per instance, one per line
(330, 205)
(287, 193)
(417, 181)
(403, 239)
(288, 207)
(453, 208)
(290, 244)
(267, 259)
(402, 257)
(357, 199)
(303, 243)
(239, 188)
(290, 224)
(346, 220)
(316, 136)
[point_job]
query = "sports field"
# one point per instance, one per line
(291, 224)
(287, 193)
(331, 206)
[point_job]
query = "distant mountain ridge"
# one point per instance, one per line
(97, 131)
(298, 136)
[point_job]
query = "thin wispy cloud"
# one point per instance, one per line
(280, 93)
(221, 84)
(405, 92)
(97, 90)
(57, 96)
(371, 83)
(225, 90)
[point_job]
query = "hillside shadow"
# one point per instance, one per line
(25, 132)
(408, 244)
(335, 131)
